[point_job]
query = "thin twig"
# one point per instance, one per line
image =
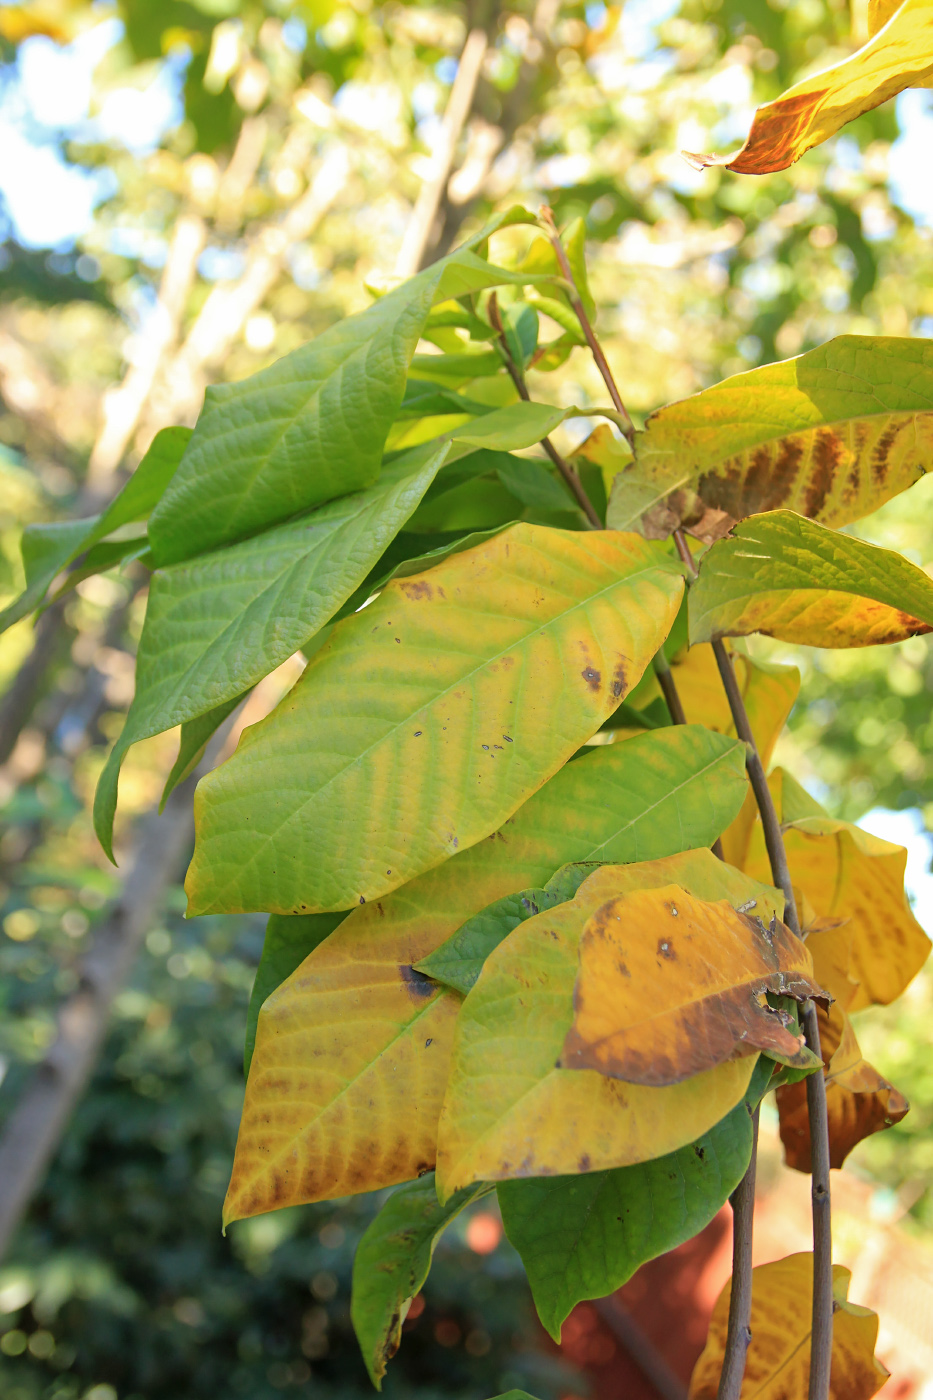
(669, 689)
(774, 841)
(739, 1333)
(822, 1335)
(564, 467)
(821, 1340)
(602, 364)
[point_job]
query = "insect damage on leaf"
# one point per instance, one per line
(670, 985)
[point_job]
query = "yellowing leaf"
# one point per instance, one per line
(898, 56)
(509, 1111)
(327, 1110)
(790, 578)
(831, 434)
(778, 1362)
(427, 718)
(859, 1101)
(671, 985)
(848, 874)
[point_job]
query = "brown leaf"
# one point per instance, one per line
(778, 1363)
(670, 985)
(858, 1101)
(848, 874)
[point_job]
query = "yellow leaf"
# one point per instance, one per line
(509, 1111)
(427, 718)
(769, 691)
(898, 56)
(322, 1115)
(671, 985)
(778, 1363)
(859, 1101)
(848, 874)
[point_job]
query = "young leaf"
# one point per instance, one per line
(392, 1262)
(47, 549)
(831, 434)
(859, 1101)
(195, 734)
(848, 875)
(428, 718)
(345, 1028)
(310, 427)
(289, 940)
(671, 985)
(217, 624)
(790, 578)
(510, 1110)
(583, 1236)
(458, 962)
(778, 1361)
(899, 56)
(511, 428)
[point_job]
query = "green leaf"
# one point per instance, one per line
(405, 741)
(47, 549)
(511, 428)
(355, 1027)
(520, 323)
(832, 434)
(534, 485)
(217, 624)
(458, 962)
(793, 579)
(392, 1262)
(195, 734)
(583, 1236)
(289, 940)
(310, 427)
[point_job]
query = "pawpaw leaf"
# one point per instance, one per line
(355, 1021)
(427, 718)
(897, 56)
(583, 1236)
(831, 434)
(859, 1101)
(392, 1261)
(778, 1359)
(510, 1110)
(670, 985)
(312, 426)
(218, 623)
(793, 579)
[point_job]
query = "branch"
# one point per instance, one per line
(34, 1128)
(821, 1337)
(229, 305)
(123, 405)
(564, 467)
(648, 1360)
(415, 241)
(602, 364)
(739, 1332)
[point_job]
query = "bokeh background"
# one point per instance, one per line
(189, 189)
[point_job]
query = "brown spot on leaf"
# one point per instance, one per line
(418, 986)
(417, 589)
(881, 455)
(592, 677)
(617, 687)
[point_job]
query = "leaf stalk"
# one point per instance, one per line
(518, 379)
